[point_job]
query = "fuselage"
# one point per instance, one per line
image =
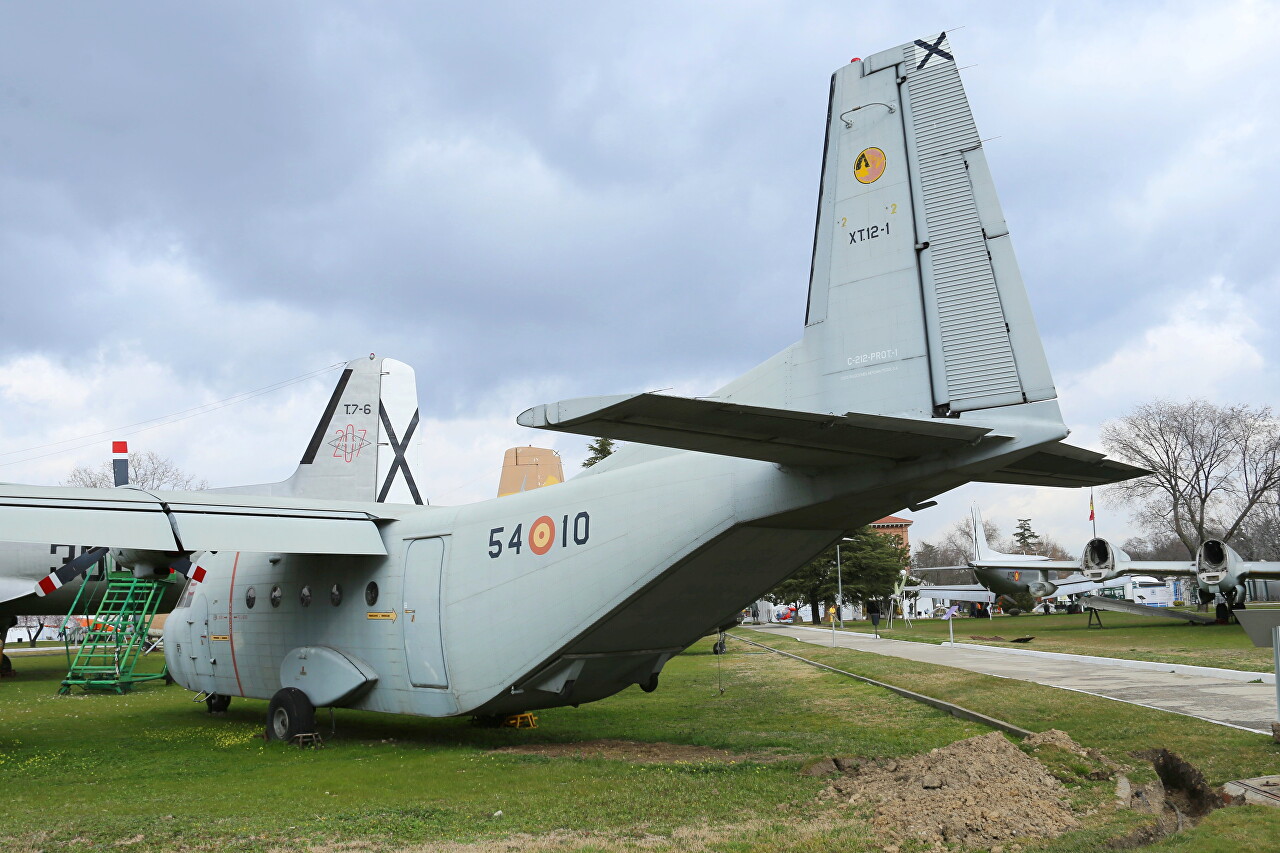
(557, 596)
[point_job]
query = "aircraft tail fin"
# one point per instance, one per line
(366, 445)
(916, 307)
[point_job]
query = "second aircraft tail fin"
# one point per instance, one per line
(366, 445)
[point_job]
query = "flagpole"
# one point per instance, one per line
(1092, 515)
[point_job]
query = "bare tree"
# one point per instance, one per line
(35, 625)
(148, 470)
(1212, 466)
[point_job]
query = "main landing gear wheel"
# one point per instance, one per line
(290, 714)
(217, 703)
(718, 648)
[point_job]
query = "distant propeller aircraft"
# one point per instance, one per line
(919, 369)
(24, 564)
(353, 454)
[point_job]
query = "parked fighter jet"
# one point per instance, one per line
(1006, 574)
(919, 369)
(1217, 568)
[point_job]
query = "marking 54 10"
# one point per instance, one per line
(543, 535)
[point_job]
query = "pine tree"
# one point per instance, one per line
(599, 449)
(1028, 540)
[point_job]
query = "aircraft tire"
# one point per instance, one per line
(217, 703)
(290, 714)
(718, 648)
(6, 665)
(650, 685)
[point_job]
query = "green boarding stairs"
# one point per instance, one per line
(115, 638)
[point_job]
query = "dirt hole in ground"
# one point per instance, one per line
(634, 751)
(1178, 798)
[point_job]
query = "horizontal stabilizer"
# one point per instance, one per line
(1064, 465)
(185, 521)
(753, 432)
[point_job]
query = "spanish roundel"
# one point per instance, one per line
(542, 535)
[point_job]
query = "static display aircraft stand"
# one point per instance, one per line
(1263, 628)
(115, 637)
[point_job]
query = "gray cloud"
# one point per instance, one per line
(587, 197)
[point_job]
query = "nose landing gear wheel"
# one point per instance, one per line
(290, 714)
(217, 703)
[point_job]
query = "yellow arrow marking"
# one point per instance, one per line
(392, 615)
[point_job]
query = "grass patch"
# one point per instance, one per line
(1116, 728)
(152, 763)
(1125, 636)
(153, 771)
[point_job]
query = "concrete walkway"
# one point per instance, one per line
(1227, 702)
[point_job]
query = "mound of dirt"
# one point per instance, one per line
(628, 750)
(1054, 737)
(979, 792)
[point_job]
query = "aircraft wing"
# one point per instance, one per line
(186, 521)
(955, 592)
(754, 432)
(1159, 568)
(1260, 570)
(1051, 565)
(1074, 584)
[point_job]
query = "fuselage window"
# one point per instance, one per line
(335, 594)
(250, 597)
(371, 594)
(276, 595)
(305, 596)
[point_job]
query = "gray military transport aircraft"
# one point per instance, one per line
(353, 454)
(919, 369)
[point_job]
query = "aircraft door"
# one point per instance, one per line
(197, 645)
(423, 643)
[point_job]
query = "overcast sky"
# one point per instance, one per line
(538, 201)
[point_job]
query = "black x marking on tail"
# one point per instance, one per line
(398, 448)
(932, 49)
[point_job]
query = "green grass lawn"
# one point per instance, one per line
(1125, 636)
(151, 769)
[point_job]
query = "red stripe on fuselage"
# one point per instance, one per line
(231, 622)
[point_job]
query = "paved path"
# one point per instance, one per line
(1228, 703)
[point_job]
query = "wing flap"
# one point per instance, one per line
(1064, 465)
(36, 514)
(754, 432)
